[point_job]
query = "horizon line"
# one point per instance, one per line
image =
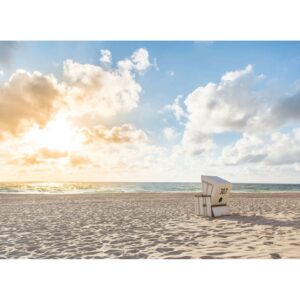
(78, 181)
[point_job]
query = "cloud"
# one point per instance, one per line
(50, 153)
(95, 90)
(128, 159)
(278, 149)
(50, 156)
(1, 73)
(176, 108)
(106, 57)
(43, 113)
(28, 99)
(7, 49)
(195, 142)
(235, 104)
(124, 134)
(230, 105)
(139, 61)
(284, 148)
(287, 109)
(170, 133)
(33, 99)
(30, 159)
(248, 149)
(78, 160)
(108, 91)
(42, 155)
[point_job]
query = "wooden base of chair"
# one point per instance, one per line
(203, 207)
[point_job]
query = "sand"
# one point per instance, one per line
(149, 225)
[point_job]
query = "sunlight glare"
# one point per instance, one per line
(57, 135)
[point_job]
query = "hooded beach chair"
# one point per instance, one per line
(213, 200)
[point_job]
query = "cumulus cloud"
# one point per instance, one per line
(248, 149)
(32, 99)
(95, 90)
(28, 99)
(284, 148)
(139, 61)
(106, 57)
(278, 149)
(35, 104)
(197, 143)
(176, 108)
(126, 133)
(108, 91)
(230, 105)
(235, 104)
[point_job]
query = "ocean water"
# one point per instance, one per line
(131, 187)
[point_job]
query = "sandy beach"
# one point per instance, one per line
(147, 225)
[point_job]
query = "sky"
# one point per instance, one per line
(150, 111)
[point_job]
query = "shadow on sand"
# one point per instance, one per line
(261, 220)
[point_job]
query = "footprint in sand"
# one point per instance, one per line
(177, 257)
(132, 251)
(217, 253)
(275, 255)
(164, 249)
(207, 257)
(140, 255)
(268, 243)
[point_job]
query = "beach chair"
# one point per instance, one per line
(212, 202)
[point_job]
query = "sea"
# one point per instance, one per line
(131, 187)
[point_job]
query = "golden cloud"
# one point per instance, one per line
(30, 159)
(28, 99)
(78, 160)
(39, 157)
(32, 99)
(49, 153)
(126, 133)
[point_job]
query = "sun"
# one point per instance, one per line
(57, 135)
